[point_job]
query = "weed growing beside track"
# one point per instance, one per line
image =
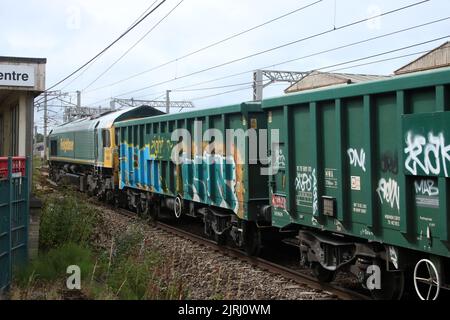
(113, 266)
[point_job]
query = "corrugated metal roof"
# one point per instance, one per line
(317, 79)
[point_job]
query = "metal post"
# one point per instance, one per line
(168, 101)
(257, 85)
(78, 99)
(45, 126)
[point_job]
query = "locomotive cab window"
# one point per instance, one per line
(53, 147)
(106, 138)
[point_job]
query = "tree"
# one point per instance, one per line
(39, 138)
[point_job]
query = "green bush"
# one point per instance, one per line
(65, 220)
(126, 270)
(52, 265)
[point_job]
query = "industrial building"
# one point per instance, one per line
(436, 58)
(317, 79)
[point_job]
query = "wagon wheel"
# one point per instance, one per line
(252, 241)
(322, 274)
(154, 211)
(177, 207)
(220, 239)
(139, 210)
(392, 286)
(116, 202)
(426, 274)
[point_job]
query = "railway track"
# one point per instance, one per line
(296, 276)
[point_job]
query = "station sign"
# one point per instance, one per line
(16, 75)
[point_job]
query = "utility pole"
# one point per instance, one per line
(168, 101)
(78, 100)
(35, 134)
(258, 85)
(273, 76)
(45, 126)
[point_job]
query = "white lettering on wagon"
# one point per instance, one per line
(429, 155)
(306, 187)
(389, 192)
(357, 158)
(427, 193)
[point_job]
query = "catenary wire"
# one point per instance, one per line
(133, 46)
(277, 47)
(216, 43)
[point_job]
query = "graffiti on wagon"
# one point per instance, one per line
(427, 193)
(357, 158)
(389, 192)
(306, 187)
(429, 155)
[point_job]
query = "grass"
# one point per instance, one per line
(126, 270)
(37, 163)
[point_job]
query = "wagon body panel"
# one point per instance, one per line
(370, 160)
(204, 176)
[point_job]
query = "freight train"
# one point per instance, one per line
(356, 176)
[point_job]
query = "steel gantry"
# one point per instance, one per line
(273, 76)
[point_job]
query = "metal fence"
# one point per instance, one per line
(14, 211)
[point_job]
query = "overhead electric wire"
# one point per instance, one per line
(275, 48)
(91, 64)
(387, 52)
(292, 60)
(216, 43)
(350, 61)
(133, 46)
(382, 60)
(219, 94)
(317, 53)
(107, 47)
(212, 88)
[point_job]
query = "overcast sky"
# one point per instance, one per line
(68, 33)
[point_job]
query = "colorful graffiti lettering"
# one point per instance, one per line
(429, 155)
(357, 158)
(156, 147)
(389, 192)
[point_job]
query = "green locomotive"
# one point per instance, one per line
(84, 151)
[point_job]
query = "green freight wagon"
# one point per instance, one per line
(213, 178)
(365, 181)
